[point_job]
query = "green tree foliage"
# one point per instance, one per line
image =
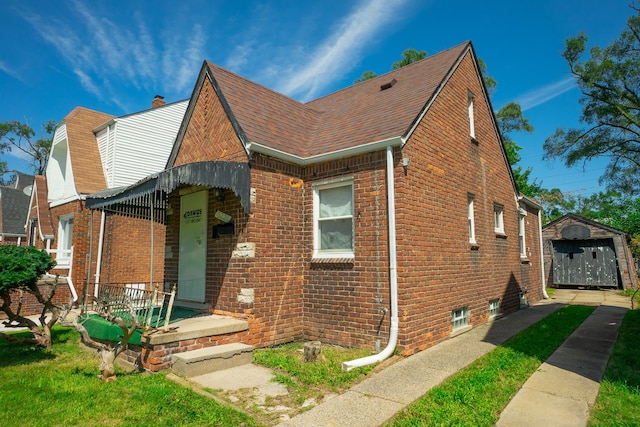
(20, 269)
(367, 75)
(609, 80)
(20, 137)
(409, 56)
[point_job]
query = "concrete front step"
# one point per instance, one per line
(210, 359)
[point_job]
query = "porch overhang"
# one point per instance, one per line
(149, 194)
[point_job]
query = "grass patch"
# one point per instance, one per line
(59, 387)
(307, 383)
(618, 402)
(477, 394)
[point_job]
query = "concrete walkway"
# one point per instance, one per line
(560, 393)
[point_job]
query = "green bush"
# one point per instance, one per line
(22, 266)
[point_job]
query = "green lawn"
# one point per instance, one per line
(618, 403)
(476, 395)
(59, 387)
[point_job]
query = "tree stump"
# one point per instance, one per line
(312, 351)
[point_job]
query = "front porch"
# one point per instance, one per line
(166, 332)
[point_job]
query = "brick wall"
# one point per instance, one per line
(126, 253)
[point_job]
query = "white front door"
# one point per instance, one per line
(192, 263)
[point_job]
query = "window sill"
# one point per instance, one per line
(335, 260)
(474, 246)
(500, 235)
(474, 140)
(525, 260)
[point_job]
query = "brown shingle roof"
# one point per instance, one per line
(83, 149)
(357, 115)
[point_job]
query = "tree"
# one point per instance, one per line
(20, 137)
(409, 56)
(609, 80)
(367, 75)
(21, 267)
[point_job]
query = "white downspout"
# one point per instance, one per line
(72, 287)
(544, 282)
(393, 276)
(99, 259)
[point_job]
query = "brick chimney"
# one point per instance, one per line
(158, 101)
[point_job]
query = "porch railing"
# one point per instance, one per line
(151, 305)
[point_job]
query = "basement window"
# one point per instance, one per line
(494, 307)
(459, 318)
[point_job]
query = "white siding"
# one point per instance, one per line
(143, 142)
(59, 175)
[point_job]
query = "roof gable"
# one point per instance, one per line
(83, 149)
(571, 217)
(362, 114)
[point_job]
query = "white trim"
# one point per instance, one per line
(324, 185)
(471, 218)
(498, 218)
(255, 147)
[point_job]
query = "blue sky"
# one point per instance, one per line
(114, 55)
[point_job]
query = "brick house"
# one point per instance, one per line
(581, 252)
(381, 215)
(93, 151)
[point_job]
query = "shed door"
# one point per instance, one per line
(192, 261)
(585, 263)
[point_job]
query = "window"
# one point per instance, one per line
(472, 226)
(498, 220)
(333, 218)
(494, 307)
(521, 240)
(65, 239)
(472, 130)
(459, 318)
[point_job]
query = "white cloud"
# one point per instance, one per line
(546, 93)
(10, 71)
(335, 56)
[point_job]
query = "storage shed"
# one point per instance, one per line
(585, 253)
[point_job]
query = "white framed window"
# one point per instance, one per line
(333, 219)
(521, 234)
(65, 240)
(494, 307)
(472, 130)
(470, 218)
(459, 318)
(498, 218)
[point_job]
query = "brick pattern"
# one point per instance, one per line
(208, 124)
(132, 236)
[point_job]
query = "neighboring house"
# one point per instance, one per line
(93, 151)
(14, 204)
(385, 213)
(581, 252)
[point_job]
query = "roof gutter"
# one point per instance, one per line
(339, 154)
(393, 276)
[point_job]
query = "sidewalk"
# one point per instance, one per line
(576, 369)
